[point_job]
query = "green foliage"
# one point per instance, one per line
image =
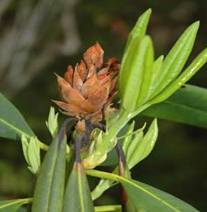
(192, 69)
(136, 147)
(135, 73)
(49, 190)
(143, 82)
(140, 147)
(52, 122)
(31, 151)
(188, 105)
(140, 87)
(77, 195)
(176, 58)
(155, 81)
(12, 123)
(147, 198)
(135, 36)
(13, 205)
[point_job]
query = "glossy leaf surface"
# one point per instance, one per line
(148, 198)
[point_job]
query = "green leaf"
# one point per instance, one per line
(52, 122)
(103, 185)
(49, 189)
(31, 151)
(98, 150)
(194, 67)
(188, 105)
(177, 57)
(133, 42)
(130, 53)
(127, 140)
(156, 73)
(139, 30)
(148, 74)
(12, 123)
(145, 197)
(136, 148)
(77, 195)
(139, 148)
(131, 87)
(13, 205)
(148, 198)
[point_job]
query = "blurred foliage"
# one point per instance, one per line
(178, 163)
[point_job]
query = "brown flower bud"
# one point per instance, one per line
(88, 89)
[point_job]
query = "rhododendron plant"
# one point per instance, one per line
(95, 123)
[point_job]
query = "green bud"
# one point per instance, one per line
(52, 122)
(31, 151)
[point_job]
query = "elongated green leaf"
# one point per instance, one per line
(148, 198)
(52, 122)
(141, 148)
(49, 189)
(188, 105)
(78, 196)
(177, 57)
(12, 123)
(156, 72)
(147, 74)
(139, 29)
(128, 137)
(145, 197)
(133, 81)
(194, 67)
(31, 151)
(105, 184)
(13, 205)
(135, 36)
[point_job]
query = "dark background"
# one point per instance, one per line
(178, 164)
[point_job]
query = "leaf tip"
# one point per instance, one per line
(195, 25)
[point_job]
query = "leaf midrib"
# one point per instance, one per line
(20, 132)
(151, 194)
(111, 176)
(52, 182)
(184, 106)
(22, 201)
(80, 189)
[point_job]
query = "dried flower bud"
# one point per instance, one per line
(88, 89)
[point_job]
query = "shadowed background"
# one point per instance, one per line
(41, 37)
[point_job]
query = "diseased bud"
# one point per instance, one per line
(88, 89)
